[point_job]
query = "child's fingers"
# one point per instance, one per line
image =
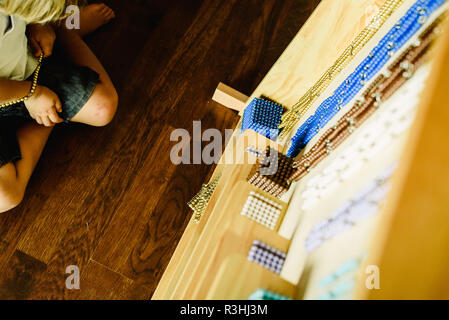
(58, 105)
(46, 121)
(35, 47)
(38, 120)
(32, 115)
(54, 117)
(47, 47)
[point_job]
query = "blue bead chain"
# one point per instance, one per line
(406, 27)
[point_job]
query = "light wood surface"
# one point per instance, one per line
(238, 278)
(230, 97)
(412, 244)
(235, 234)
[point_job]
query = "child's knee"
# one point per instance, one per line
(106, 103)
(10, 195)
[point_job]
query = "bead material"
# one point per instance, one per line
(271, 172)
(361, 206)
(263, 116)
(379, 56)
(291, 117)
(266, 256)
(262, 210)
(200, 201)
(381, 89)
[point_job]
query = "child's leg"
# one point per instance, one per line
(100, 108)
(14, 177)
(98, 111)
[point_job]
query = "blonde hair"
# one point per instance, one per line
(37, 11)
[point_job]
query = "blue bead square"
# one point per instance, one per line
(263, 116)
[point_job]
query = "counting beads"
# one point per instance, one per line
(266, 256)
(263, 116)
(262, 210)
(290, 118)
(407, 26)
(363, 205)
(271, 172)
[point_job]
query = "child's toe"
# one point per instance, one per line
(98, 6)
(111, 13)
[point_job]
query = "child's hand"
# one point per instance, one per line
(44, 106)
(41, 39)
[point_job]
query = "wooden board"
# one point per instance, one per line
(234, 235)
(412, 243)
(230, 98)
(238, 278)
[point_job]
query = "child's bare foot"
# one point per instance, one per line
(94, 16)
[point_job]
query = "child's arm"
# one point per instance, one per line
(13, 90)
(43, 105)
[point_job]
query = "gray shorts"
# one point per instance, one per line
(73, 84)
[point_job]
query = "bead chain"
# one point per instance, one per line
(201, 200)
(408, 25)
(291, 117)
(351, 212)
(383, 130)
(32, 89)
(382, 88)
(338, 134)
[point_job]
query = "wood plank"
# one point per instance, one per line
(154, 238)
(230, 98)
(19, 276)
(339, 23)
(128, 224)
(109, 285)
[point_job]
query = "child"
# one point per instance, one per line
(73, 88)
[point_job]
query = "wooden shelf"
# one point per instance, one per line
(410, 244)
(317, 35)
(238, 278)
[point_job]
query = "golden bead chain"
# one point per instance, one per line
(32, 89)
(200, 201)
(292, 116)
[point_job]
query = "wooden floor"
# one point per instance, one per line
(109, 200)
